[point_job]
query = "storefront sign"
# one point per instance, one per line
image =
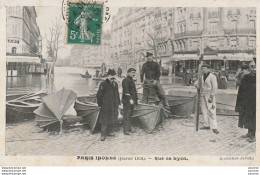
(13, 41)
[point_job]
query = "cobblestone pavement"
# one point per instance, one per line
(173, 137)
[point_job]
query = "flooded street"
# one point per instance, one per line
(68, 77)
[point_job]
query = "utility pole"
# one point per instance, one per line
(201, 54)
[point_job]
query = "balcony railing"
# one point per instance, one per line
(240, 31)
(215, 52)
(186, 52)
(188, 33)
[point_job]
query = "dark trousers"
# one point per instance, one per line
(160, 92)
(128, 112)
(149, 89)
(107, 129)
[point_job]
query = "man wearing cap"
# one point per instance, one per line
(151, 71)
(246, 102)
(108, 100)
(208, 89)
(129, 99)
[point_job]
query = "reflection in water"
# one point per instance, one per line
(68, 77)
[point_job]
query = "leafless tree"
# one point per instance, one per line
(152, 42)
(54, 43)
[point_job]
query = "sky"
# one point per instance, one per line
(45, 18)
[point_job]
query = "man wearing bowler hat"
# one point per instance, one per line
(129, 99)
(151, 72)
(108, 100)
(208, 90)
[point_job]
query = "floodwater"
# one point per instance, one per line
(68, 77)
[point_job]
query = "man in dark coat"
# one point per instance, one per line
(108, 100)
(151, 71)
(246, 103)
(119, 72)
(223, 78)
(239, 76)
(97, 73)
(129, 99)
(188, 77)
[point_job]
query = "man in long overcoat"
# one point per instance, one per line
(119, 72)
(246, 103)
(108, 100)
(129, 99)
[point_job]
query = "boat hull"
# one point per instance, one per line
(85, 76)
(181, 105)
(21, 108)
(149, 116)
(87, 108)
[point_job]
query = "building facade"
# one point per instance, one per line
(23, 34)
(76, 55)
(227, 35)
(96, 55)
(23, 42)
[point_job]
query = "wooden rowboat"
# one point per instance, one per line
(148, 115)
(87, 108)
(85, 76)
(22, 107)
(226, 104)
(181, 103)
(14, 96)
(54, 107)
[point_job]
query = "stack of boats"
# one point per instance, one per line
(149, 115)
(20, 107)
(51, 109)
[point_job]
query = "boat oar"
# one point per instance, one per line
(199, 87)
(26, 96)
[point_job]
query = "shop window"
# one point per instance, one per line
(195, 26)
(213, 26)
(252, 24)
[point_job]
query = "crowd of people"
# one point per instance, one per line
(190, 76)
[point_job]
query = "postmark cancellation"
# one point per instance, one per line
(84, 22)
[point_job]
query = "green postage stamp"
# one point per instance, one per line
(84, 25)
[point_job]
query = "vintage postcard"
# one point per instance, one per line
(112, 82)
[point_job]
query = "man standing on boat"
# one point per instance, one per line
(208, 90)
(108, 100)
(129, 99)
(151, 71)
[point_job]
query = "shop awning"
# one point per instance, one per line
(22, 59)
(230, 57)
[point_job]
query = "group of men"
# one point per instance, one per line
(245, 104)
(109, 100)
(108, 97)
